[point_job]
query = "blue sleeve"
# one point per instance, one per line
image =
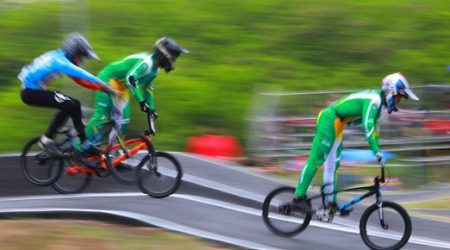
(65, 66)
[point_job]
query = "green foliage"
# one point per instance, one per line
(237, 46)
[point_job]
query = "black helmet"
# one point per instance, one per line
(167, 51)
(75, 44)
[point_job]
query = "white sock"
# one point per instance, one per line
(45, 140)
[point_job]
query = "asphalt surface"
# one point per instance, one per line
(215, 201)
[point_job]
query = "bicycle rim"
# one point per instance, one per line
(278, 216)
(37, 166)
(160, 177)
(397, 228)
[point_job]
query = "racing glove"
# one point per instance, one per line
(144, 107)
(379, 157)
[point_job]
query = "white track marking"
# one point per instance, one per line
(223, 188)
(230, 206)
(227, 166)
(343, 227)
(155, 222)
(355, 230)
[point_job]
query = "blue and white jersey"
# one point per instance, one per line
(50, 66)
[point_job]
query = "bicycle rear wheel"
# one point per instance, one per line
(159, 176)
(126, 171)
(395, 232)
(278, 215)
(37, 166)
(74, 179)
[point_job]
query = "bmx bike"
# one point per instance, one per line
(384, 225)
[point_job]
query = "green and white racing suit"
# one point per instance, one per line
(357, 108)
(134, 73)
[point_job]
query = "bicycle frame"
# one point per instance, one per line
(76, 168)
(372, 190)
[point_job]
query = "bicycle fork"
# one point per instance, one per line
(380, 211)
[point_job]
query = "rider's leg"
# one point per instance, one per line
(332, 162)
(120, 117)
(59, 118)
(51, 99)
(323, 140)
(100, 121)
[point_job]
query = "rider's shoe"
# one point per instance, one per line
(49, 146)
(302, 205)
(89, 149)
(333, 206)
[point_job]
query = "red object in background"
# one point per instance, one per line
(437, 126)
(214, 145)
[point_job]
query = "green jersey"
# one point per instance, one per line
(363, 108)
(139, 66)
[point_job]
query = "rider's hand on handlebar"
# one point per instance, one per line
(380, 159)
(144, 107)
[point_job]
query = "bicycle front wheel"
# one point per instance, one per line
(159, 176)
(386, 227)
(278, 215)
(37, 166)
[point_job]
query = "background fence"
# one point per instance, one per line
(418, 136)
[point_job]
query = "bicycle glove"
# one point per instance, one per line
(144, 107)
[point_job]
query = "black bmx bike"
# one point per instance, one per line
(384, 225)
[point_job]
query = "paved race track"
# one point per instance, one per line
(215, 201)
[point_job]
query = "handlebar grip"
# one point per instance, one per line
(382, 165)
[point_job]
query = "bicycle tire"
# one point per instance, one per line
(127, 174)
(71, 183)
(270, 223)
(169, 172)
(374, 208)
(28, 168)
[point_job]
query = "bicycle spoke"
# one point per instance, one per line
(386, 227)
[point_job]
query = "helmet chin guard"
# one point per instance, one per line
(167, 52)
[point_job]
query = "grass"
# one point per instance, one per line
(74, 234)
(237, 46)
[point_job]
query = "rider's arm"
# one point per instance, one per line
(73, 71)
(148, 96)
(132, 80)
(369, 124)
(86, 84)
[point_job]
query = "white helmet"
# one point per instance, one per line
(393, 85)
